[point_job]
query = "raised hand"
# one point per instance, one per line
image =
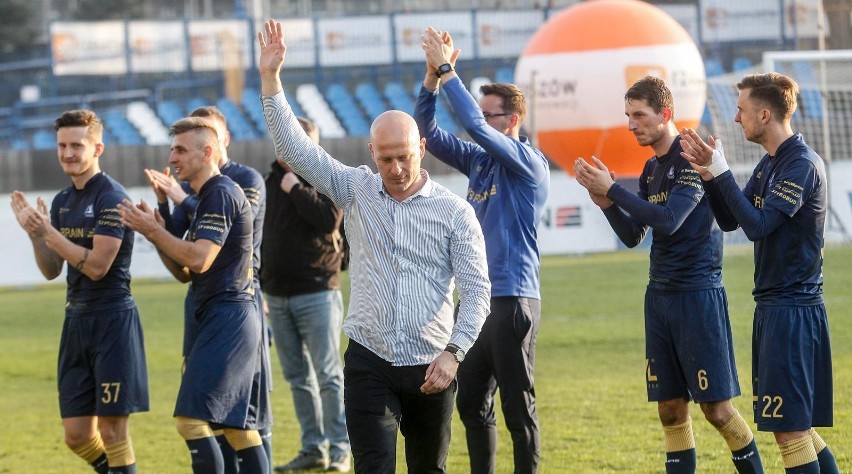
(272, 47)
(438, 47)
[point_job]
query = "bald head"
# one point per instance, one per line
(397, 149)
(394, 125)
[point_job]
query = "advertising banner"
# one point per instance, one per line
(408, 28)
(355, 41)
(88, 48)
(504, 34)
(157, 46)
(219, 44)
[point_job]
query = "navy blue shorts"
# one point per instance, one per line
(102, 369)
(791, 368)
(219, 384)
(688, 346)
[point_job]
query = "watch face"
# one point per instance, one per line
(444, 68)
(459, 355)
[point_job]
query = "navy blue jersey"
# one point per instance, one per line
(254, 188)
(782, 209)
(223, 216)
(80, 214)
(686, 252)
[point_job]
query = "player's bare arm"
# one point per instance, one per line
(196, 256)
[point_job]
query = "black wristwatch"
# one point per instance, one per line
(443, 69)
(456, 352)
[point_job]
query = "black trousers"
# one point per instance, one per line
(381, 400)
(503, 357)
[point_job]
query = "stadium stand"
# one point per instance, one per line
(116, 123)
(370, 99)
(398, 97)
(169, 111)
(238, 124)
(741, 64)
(317, 109)
(143, 117)
(343, 104)
(713, 67)
(504, 74)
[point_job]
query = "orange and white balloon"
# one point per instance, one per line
(578, 65)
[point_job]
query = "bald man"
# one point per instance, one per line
(411, 241)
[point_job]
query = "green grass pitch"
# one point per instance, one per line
(589, 374)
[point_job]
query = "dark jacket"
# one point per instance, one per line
(302, 244)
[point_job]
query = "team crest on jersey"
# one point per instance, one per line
(90, 211)
(670, 174)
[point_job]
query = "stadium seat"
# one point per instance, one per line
(504, 74)
(347, 110)
(169, 111)
(239, 126)
(124, 132)
(398, 97)
(810, 97)
(370, 99)
(316, 108)
(44, 140)
(150, 126)
(741, 64)
(713, 67)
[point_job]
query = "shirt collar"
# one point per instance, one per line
(426, 191)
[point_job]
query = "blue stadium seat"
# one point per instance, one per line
(504, 74)
(810, 97)
(19, 143)
(238, 124)
(725, 97)
(125, 133)
(741, 64)
(370, 99)
(713, 67)
(169, 112)
(44, 140)
(398, 97)
(193, 103)
(344, 106)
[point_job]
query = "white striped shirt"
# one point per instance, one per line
(406, 256)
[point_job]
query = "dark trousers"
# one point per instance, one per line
(380, 400)
(503, 357)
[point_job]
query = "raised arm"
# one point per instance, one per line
(292, 144)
